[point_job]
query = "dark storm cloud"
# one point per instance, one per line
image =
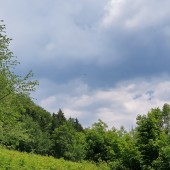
(65, 40)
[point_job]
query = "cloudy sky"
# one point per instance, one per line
(94, 59)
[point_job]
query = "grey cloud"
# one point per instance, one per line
(80, 47)
(61, 39)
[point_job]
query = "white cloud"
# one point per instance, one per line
(136, 15)
(117, 106)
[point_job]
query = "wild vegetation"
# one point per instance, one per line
(15, 160)
(26, 127)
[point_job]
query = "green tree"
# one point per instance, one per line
(68, 143)
(12, 134)
(163, 161)
(39, 140)
(58, 119)
(166, 118)
(12, 88)
(39, 115)
(148, 136)
(129, 154)
(10, 83)
(96, 142)
(75, 123)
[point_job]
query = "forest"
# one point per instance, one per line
(27, 127)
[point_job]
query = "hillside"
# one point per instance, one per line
(14, 160)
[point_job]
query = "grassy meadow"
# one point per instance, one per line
(14, 160)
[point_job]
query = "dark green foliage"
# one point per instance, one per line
(163, 161)
(96, 142)
(117, 147)
(37, 113)
(58, 119)
(76, 125)
(148, 133)
(68, 143)
(39, 140)
(166, 118)
(150, 136)
(130, 156)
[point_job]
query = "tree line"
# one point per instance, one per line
(25, 126)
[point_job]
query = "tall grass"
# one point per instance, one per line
(13, 160)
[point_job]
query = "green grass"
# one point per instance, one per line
(13, 160)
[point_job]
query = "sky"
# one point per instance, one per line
(94, 59)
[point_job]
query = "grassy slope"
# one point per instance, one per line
(13, 160)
